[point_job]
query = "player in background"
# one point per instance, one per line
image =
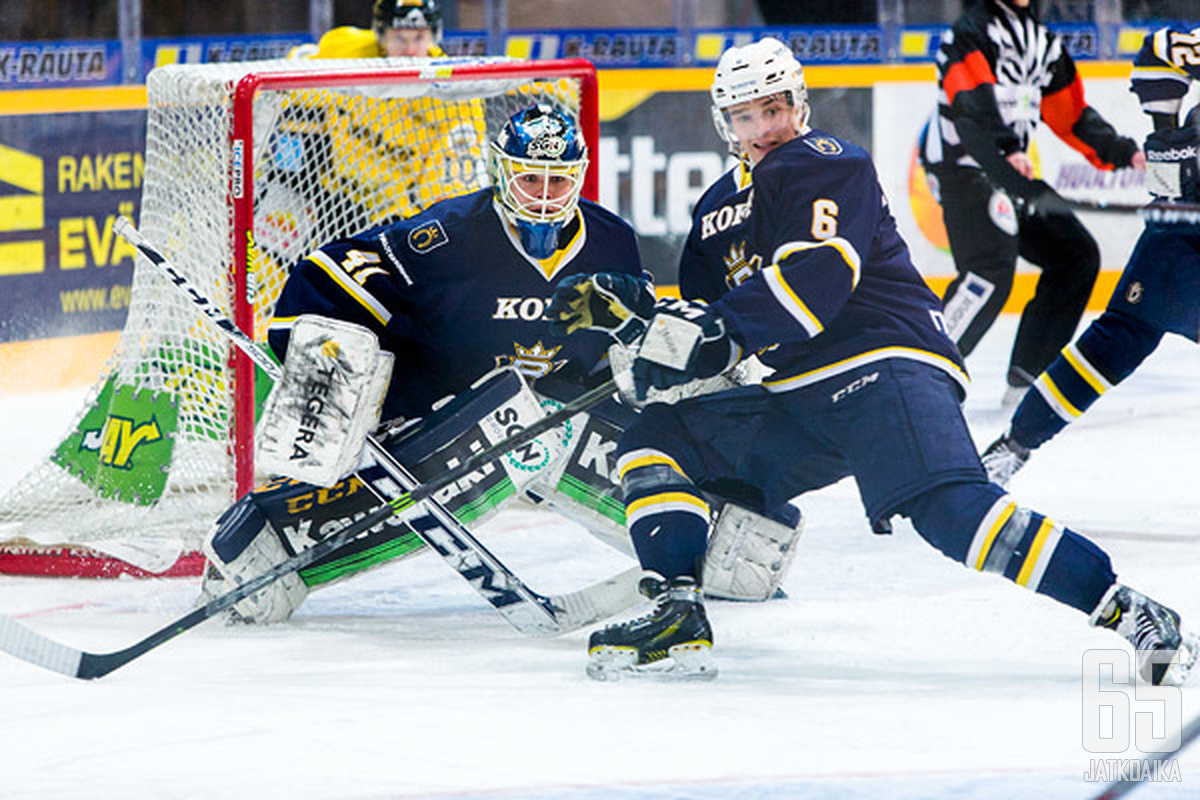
(1159, 291)
(866, 383)
(454, 293)
(399, 28)
(1000, 71)
(374, 160)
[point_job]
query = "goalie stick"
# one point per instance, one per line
(526, 610)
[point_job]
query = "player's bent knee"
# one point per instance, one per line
(948, 516)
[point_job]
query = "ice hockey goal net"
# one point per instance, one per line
(248, 167)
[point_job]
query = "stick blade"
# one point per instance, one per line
(37, 649)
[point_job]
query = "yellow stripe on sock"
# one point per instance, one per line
(1052, 387)
(664, 498)
(649, 461)
(1035, 551)
(991, 535)
(1084, 371)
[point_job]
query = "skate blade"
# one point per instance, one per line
(692, 661)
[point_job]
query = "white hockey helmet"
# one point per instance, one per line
(759, 69)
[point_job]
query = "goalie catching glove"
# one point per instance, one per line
(620, 305)
(685, 340)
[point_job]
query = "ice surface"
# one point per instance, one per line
(890, 672)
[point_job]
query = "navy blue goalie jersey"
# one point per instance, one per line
(804, 262)
(453, 295)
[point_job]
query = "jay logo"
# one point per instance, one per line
(824, 145)
(1135, 292)
(532, 362)
(429, 236)
(738, 269)
(119, 437)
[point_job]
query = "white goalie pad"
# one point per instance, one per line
(274, 602)
(621, 357)
(748, 555)
(325, 403)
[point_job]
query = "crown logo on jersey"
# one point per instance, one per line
(532, 362)
(738, 270)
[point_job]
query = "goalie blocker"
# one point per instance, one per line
(571, 473)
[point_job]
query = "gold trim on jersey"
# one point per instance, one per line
(351, 287)
(821, 373)
(790, 301)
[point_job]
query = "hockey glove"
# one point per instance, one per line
(1171, 171)
(618, 304)
(685, 341)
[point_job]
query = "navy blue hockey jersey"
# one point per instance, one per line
(806, 266)
(451, 293)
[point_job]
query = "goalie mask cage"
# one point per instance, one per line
(248, 167)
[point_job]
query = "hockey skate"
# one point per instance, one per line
(1165, 656)
(1003, 458)
(672, 642)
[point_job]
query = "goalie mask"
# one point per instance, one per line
(757, 70)
(537, 167)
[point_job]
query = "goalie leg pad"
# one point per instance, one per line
(243, 546)
(748, 554)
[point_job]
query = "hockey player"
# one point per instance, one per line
(454, 293)
(399, 28)
(377, 160)
(1159, 291)
(866, 383)
(1000, 70)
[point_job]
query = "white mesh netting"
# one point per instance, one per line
(147, 465)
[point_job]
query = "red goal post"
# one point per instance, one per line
(249, 166)
(243, 201)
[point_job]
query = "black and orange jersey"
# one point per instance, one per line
(1000, 72)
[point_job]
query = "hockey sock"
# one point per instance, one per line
(667, 516)
(982, 527)
(1105, 354)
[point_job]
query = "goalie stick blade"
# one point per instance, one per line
(601, 600)
(44, 652)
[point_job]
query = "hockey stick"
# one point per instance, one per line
(528, 611)
(1180, 213)
(1122, 787)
